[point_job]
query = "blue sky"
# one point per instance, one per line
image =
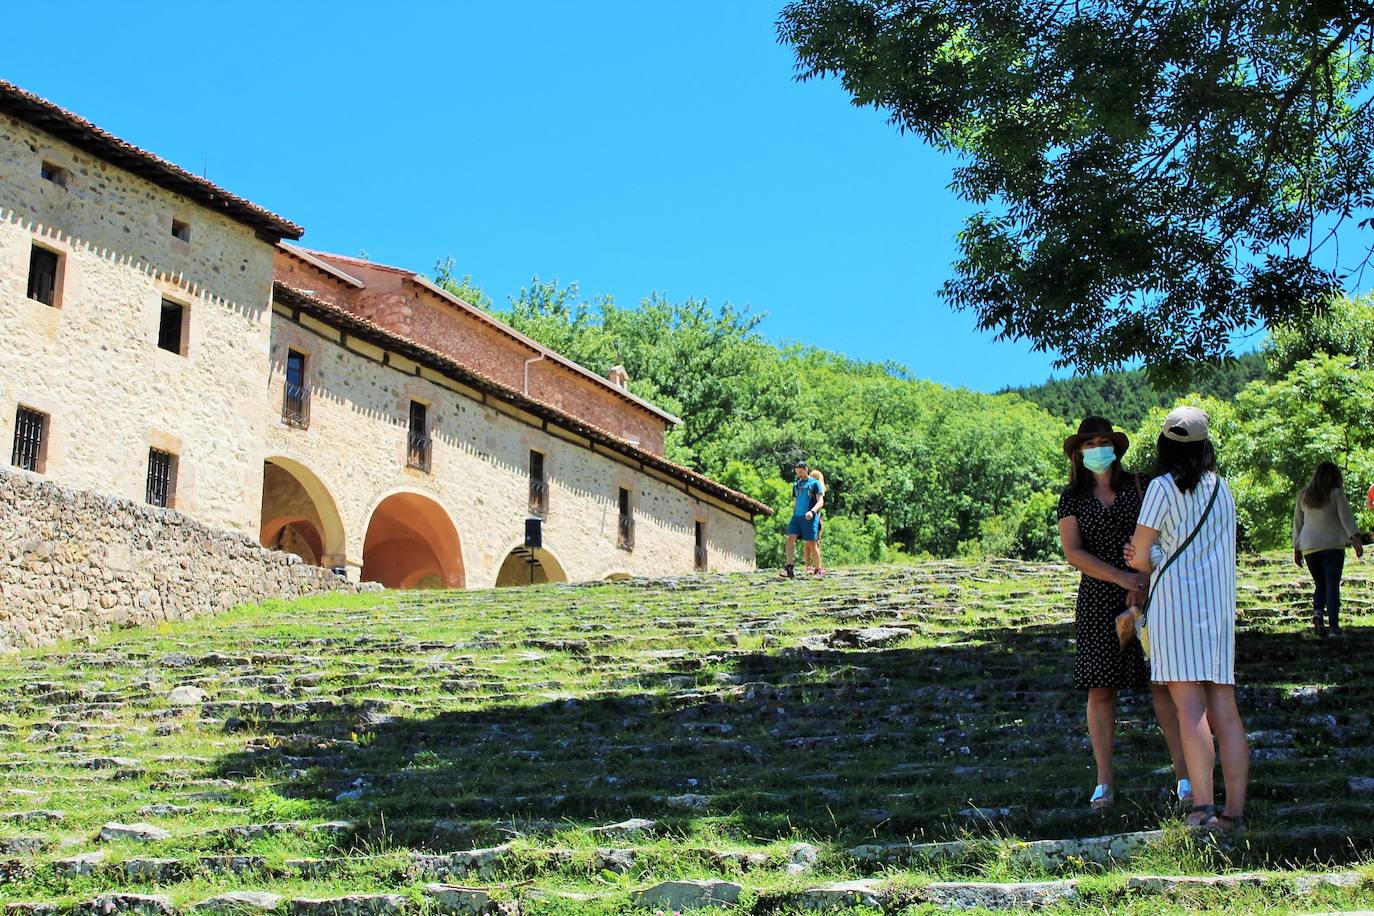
(628, 146)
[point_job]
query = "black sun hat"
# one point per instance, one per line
(1091, 428)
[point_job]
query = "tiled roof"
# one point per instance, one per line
(473, 311)
(376, 334)
(85, 136)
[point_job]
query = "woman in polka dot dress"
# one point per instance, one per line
(1097, 517)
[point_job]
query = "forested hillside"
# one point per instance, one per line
(1129, 394)
(918, 469)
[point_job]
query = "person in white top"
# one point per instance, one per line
(1185, 537)
(1322, 526)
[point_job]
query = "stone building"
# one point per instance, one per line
(165, 341)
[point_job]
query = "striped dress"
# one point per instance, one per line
(1193, 609)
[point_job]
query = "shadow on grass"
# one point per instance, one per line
(850, 747)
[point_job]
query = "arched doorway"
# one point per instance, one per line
(524, 566)
(299, 515)
(411, 543)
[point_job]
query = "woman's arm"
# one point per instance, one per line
(1071, 537)
(1352, 531)
(1141, 544)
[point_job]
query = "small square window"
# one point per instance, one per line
(44, 266)
(181, 230)
(171, 329)
(161, 477)
(54, 173)
(30, 440)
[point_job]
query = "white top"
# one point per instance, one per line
(1329, 528)
(1192, 614)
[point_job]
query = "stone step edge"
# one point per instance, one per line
(686, 894)
(1101, 850)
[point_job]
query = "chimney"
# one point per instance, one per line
(619, 377)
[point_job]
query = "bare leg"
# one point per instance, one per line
(1235, 749)
(1191, 702)
(817, 549)
(1102, 730)
(791, 549)
(1167, 715)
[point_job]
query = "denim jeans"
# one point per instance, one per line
(1326, 567)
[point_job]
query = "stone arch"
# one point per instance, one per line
(411, 542)
(299, 514)
(523, 566)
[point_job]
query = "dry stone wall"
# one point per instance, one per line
(75, 563)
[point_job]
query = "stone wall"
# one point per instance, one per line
(75, 563)
(416, 313)
(352, 458)
(91, 361)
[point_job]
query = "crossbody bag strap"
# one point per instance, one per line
(1181, 547)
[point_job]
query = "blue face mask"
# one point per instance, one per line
(1099, 460)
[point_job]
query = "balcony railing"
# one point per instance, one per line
(625, 536)
(701, 559)
(295, 406)
(539, 497)
(417, 452)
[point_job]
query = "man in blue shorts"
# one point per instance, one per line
(807, 501)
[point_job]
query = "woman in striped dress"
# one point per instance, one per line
(1192, 612)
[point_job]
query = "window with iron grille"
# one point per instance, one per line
(30, 428)
(626, 534)
(700, 549)
(295, 407)
(161, 477)
(417, 452)
(170, 327)
(539, 488)
(43, 265)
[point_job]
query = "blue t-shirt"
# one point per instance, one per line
(807, 492)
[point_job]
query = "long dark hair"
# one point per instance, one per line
(1326, 478)
(1187, 461)
(1081, 480)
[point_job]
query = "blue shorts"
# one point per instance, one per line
(808, 529)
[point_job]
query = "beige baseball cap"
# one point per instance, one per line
(1186, 424)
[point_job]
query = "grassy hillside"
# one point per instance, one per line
(905, 729)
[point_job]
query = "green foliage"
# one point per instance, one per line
(911, 467)
(1271, 437)
(1126, 397)
(1346, 328)
(1153, 177)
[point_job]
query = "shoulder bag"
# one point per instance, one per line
(1141, 616)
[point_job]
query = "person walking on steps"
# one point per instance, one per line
(1322, 527)
(1186, 540)
(813, 548)
(1097, 516)
(808, 498)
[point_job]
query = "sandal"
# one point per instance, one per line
(787, 572)
(1211, 816)
(1102, 798)
(1231, 823)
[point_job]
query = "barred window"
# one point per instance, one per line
(161, 477)
(418, 451)
(43, 265)
(539, 488)
(295, 409)
(30, 435)
(626, 534)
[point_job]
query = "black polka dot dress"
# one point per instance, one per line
(1100, 661)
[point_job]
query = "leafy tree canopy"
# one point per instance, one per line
(1154, 176)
